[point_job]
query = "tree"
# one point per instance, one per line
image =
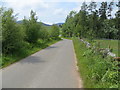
(32, 28)
(83, 19)
(1, 14)
(83, 23)
(110, 32)
(93, 20)
(102, 11)
(117, 19)
(102, 17)
(44, 34)
(69, 25)
(110, 8)
(77, 30)
(64, 30)
(12, 37)
(54, 32)
(92, 7)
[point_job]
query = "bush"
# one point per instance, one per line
(32, 28)
(55, 32)
(44, 34)
(12, 35)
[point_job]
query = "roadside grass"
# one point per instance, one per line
(112, 44)
(24, 52)
(96, 72)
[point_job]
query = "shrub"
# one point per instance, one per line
(12, 35)
(32, 28)
(54, 32)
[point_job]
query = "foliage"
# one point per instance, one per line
(21, 40)
(67, 29)
(91, 22)
(102, 11)
(12, 35)
(54, 33)
(32, 28)
(109, 31)
(44, 33)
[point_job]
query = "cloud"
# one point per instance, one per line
(60, 11)
(23, 7)
(47, 12)
(26, 3)
(52, 11)
(89, 0)
(78, 7)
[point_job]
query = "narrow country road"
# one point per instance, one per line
(53, 67)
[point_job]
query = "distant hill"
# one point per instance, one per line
(59, 24)
(54, 24)
(46, 24)
(20, 22)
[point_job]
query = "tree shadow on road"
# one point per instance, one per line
(32, 60)
(51, 47)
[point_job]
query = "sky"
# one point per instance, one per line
(48, 11)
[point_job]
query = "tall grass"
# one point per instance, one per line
(96, 72)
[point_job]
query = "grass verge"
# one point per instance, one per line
(96, 71)
(24, 52)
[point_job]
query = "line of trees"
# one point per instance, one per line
(17, 36)
(91, 22)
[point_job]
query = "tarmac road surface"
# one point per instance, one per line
(52, 67)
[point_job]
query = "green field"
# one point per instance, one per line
(113, 44)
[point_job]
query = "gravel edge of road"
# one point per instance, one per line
(80, 84)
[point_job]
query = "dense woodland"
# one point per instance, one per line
(93, 22)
